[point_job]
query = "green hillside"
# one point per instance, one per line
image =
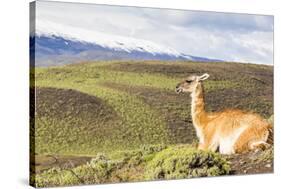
(111, 107)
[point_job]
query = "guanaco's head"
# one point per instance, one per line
(190, 83)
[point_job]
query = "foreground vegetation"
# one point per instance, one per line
(126, 118)
(147, 163)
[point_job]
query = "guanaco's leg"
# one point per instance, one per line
(208, 145)
(202, 146)
(252, 138)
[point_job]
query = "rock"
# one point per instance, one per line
(268, 165)
(242, 162)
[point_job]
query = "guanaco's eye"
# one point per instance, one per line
(188, 81)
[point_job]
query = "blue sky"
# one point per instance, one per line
(231, 37)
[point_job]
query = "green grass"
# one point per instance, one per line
(116, 108)
(137, 126)
(147, 163)
(137, 121)
(87, 74)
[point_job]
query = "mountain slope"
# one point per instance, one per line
(55, 45)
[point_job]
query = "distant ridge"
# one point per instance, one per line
(57, 45)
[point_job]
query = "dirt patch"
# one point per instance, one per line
(252, 162)
(246, 99)
(41, 163)
(64, 103)
(218, 71)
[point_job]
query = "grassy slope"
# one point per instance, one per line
(142, 98)
(84, 109)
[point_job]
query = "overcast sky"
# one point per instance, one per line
(231, 37)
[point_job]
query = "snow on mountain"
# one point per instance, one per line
(128, 44)
(57, 44)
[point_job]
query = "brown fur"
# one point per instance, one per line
(232, 131)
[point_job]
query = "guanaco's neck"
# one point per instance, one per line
(198, 105)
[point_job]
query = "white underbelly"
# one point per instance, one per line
(226, 143)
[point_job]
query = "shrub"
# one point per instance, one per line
(149, 149)
(185, 162)
(98, 170)
(144, 154)
(149, 162)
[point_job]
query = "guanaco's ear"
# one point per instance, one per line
(204, 77)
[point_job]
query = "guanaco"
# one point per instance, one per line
(229, 131)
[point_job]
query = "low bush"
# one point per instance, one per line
(185, 162)
(101, 169)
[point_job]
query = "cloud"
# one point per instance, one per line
(231, 37)
(231, 22)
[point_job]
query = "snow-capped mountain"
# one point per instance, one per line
(55, 44)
